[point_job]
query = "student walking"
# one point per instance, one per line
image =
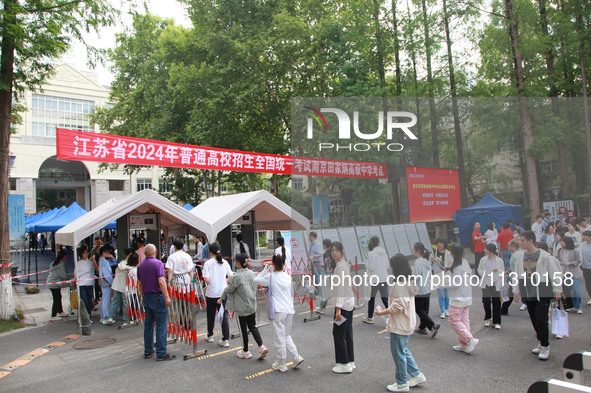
(377, 265)
(442, 261)
(490, 268)
(344, 302)
(281, 291)
(477, 244)
(86, 270)
(537, 297)
(570, 261)
(215, 272)
(105, 281)
(423, 270)
(401, 324)
(460, 293)
(57, 273)
(241, 296)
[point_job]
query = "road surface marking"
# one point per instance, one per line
(265, 372)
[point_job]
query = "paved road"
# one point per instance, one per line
(501, 363)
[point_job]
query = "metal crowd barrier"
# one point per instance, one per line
(557, 386)
(573, 367)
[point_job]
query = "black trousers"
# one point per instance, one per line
(56, 308)
(212, 314)
(492, 296)
(587, 277)
(422, 309)
(477, 257)
(250, 322)
(343, 338)
(383, 289)
(538, 314)
(506, 305)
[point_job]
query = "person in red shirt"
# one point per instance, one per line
(503, 239)
(478, 243)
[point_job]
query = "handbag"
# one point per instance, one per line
(270, 301)
(559, 320)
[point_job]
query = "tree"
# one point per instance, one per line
(34, 34)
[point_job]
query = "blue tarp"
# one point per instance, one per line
(56, 219)
(46, 218)
(484, 211)
(188, 206)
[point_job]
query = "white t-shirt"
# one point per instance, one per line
(491, 236)
(179, 263)
(237, 249)
(537, 229)
(85, 273)
(217, 274)
(173, 250)
(287, 255)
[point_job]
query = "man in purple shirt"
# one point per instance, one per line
(152, 286)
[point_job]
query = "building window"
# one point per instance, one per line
(225, 187)
(165, 187)
(12, 184)
(337, 210)
(297, 184)
(142, 184)
(116, 185)
(510, 144)
(51, 112)
(54, 174)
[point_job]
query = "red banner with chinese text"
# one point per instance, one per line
(433, 194)
(116, 149)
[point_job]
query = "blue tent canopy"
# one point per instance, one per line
(484, 211)
(46, 218)
(188, 206)
(36, 217)
(61, 220)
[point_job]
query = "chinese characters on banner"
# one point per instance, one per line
(115, 149)
(433, 194)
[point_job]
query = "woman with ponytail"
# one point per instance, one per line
(285, 252)
(442, 260)
(423, 273)
(215, 273)
(377, 265)
(240, 247)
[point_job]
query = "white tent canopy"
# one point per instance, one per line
(172, 217)
(270, 212)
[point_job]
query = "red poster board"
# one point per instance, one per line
(433, 194)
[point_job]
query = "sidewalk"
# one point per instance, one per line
(37, 307)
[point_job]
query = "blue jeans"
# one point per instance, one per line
(443, 295)
(507, 259)
(156, 312)
(116, 301)
(575, 292)
(405, 363)
(105, 302)
(318, 273)
(86, 296)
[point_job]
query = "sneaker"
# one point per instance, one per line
(567, 310)
(353, 366)
(544, 353)
(434, 330)
(279, 367)
(342, 368)
(104, 321)
(149, 355)
(422, 331)
(442, 316)
(471, 345)
(579, 311)
(415, 381)
(224, 343)
(487, 323)
(319, 310)
(297, 361)
(589, 302)
(446, 314)
(537, 349)
(54, 319)
(110, 321)
(497, 326)
(397, 388)
(209, 339)
(368, 320)
(459, 348)
(243, 355)
(263, 351)
(166, 357)
(125, 324)
(523, 307)
(558, 337)
(63, 314)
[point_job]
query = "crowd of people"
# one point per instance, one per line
(505, 263)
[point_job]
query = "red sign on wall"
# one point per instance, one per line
(433, 194)
(117, 149)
